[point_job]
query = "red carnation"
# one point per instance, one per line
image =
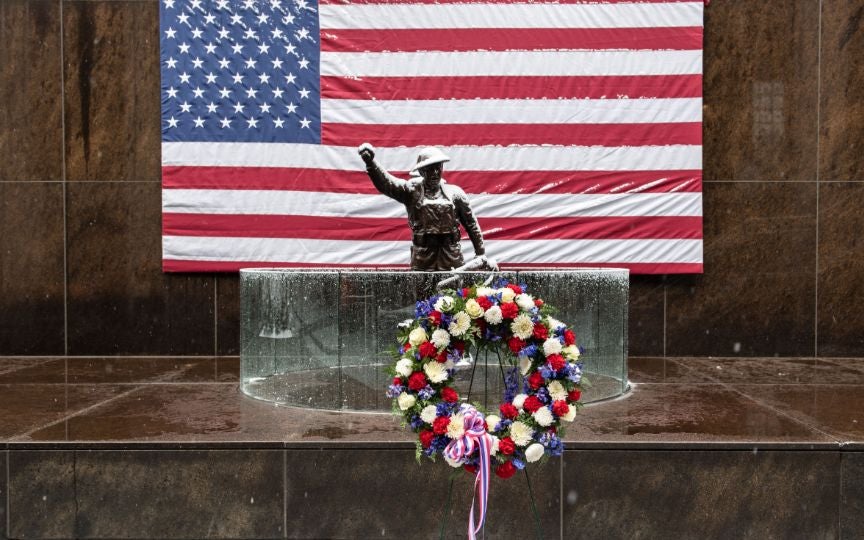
(505, 470)
(442, 356)
(574, 395)
(508, 410)
(556, 361)
(506, 446)
(426, 437)
(435, 317)
(535, 380)
(532, 404)
(449, 395)
(470, 468)
(515, 288)
(540, 331)
(428, 350)
(417, 381)
(569, 337)
(515, 344)
(406, 347)
(509, 310)
(397, 381)
(481, 324)
(466, 292)
(538, 302)
(459, 346)
(484, 302)
(560, 407)
(439, 426)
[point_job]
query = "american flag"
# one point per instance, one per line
(574, 126)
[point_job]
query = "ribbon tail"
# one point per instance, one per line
(481, 488)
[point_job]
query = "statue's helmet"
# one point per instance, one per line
(430, 156)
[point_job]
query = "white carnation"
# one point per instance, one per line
(519, 400)
(524, 365)
(556, 390)
(460, 323)
(507, 295)
(571, 352)
(492, 422)
(417, 336)
(495, 443)
(473, 309)
(484, 291)
(440, 338)
(571, 413)
(525, 301)
(521, 433)
(554, 323)
(543, 416)
(435, 371)
(522, 326)
(406, 401)
(453, 463)
(551, 346)
(428, 414)
(445, 304)
(493, 315)
(404, 367)
(534, 452)
(456, 427)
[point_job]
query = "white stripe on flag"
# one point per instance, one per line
(510, 63)
(463, 158)
(309, 203)
(512, 111)
(317, 251)
(540, 15)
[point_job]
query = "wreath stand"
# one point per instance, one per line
(539, 529)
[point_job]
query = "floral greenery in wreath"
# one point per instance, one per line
(542, 354)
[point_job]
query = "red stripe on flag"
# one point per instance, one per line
(512, 39)
(493, 182)
(362, 229)
(172, 265)
(512, 87)
(655, 134)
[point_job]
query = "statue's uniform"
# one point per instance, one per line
(434, 222)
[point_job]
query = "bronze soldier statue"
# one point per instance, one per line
(435, 210)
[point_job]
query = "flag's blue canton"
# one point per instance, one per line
(240, 70)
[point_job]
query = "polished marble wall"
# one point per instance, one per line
(80, 194)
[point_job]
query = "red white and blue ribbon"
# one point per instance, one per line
(474, 438)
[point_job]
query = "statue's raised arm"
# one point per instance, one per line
(435, 209)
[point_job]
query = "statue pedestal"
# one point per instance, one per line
(321, 339)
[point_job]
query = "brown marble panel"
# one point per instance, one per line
(150, 494)
(31, 268)
(26, 408)
(33, 370)
(645, 315)
(217, 413)
(41, 494)
(760, 90)
(31, 132)
(120, 302)
(384, 478)
(842, 88)
(4, 459)
(228, 315)
(841, 269)
(111, 57)
(852, 495)
(228, 369)
(687, 494)
(687, 412)
(770, 371)
(126, 370)
(834, 409)
(648, 370)
(757, 296)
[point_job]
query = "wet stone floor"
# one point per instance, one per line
(788, 402)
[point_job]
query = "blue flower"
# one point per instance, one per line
(553, 443)
(445, 320)
(529, 350)
(425, 307)
(518, 463)
(426, 393)
(444, 409)
(440, 442)
(543, 395)
(546, 371)
(416, 422)
(454, 355)
(511, 384)
(394, 390)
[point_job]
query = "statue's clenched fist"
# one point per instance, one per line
(367, 152)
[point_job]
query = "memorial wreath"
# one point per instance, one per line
(542, 383)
